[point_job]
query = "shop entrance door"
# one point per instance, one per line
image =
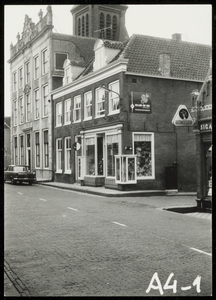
(171, 178)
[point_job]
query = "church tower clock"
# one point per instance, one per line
(100, 21)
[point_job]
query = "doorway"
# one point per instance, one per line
(100, 155)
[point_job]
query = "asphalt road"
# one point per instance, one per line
(65, 243)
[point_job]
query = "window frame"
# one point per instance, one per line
(86, 106)
(21, 109)
(152, 154)
(44, 61)
(67, 112)
(28, 107)
(46, 149)
(27, 68)
(21, 77)
(36, 102)
(56, 53)
(45, 100)
(14, 81)
(36, 67)
(67, 151)
(59, 114)
(114, 96)
(22, 157)
(15, 150)
(15, 108)
(58, 151)
(75, 109)
(37, 149)
(98, 91)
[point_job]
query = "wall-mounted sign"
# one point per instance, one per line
(182, 117)
(128, 148)
(140, 102)
(76, 146)
(207, 126)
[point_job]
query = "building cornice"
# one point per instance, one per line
(117, 66)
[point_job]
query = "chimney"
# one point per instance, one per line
(164, 64)
(177, 37)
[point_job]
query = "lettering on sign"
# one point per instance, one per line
(205, 126)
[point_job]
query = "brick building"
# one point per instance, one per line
(118, 132)
(202, 112)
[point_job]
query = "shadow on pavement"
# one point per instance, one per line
(185, 210)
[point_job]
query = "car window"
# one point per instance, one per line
(19, 169)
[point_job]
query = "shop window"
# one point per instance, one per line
(59, 60)
(67, 155)
(100, 103)
(88, 105)
(67, 111)
(90, 155)
(114, 97)
(126, 169)
(59, 114)
(77, 109)
(144, 149)
(112, 150)
(21, 150)
(58, 155)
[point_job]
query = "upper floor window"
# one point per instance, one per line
(14, 81)
(15, 112)
(21, 109)
(88, 105)
(79, 26)
(114, 97)
(45, 100)
(77, 109)
(36, 106)
(83, 26)
(67, 111)
(27, 72)
(114, 27)
(87, 25)
(108, 26)
(46, 149)
(36, 67)
(21, 77)
(59, 60)
(28, 107)
(59, 114)
(102, 25)
(44, 62)
(99, 102)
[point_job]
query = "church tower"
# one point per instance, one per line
(100, 21)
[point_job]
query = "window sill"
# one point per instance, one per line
(67, 172)
(59, 125)
(44, 117)
(69, 123)
(58, 172)
(87, 119)
(101, 116)
(78, 121)
(146, 178)
(114, 113)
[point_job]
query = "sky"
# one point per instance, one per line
(194, 22)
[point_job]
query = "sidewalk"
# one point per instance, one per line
(102, 191)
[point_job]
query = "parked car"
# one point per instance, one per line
(19, 174)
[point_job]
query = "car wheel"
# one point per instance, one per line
(30, 183)
(13, 181)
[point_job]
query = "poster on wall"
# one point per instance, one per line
(140, 102)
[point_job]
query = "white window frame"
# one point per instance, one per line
(15, 150)
(58, 114)
(45, 100)
(87, 105)
(15, 81)
(27, 69)
(67, 111)
(152, 153)
(37, 149)
(44, 61)
(46, 149)
(21, 77)
(119, 150)
(21, 109)
(22, 155)
(113, 96)
(28, 107)
(58, 153)
(36, 67)
(77, 108)
(99, 93)
(15, 112)
(36, 106)
(67, 152)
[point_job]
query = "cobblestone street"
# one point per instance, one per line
(65, 243)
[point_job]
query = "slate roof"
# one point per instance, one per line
(188, 60)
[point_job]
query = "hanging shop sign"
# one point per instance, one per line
(182, 117)
(140, 102)
(76, 146)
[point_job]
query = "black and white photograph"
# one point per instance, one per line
(108, 150)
